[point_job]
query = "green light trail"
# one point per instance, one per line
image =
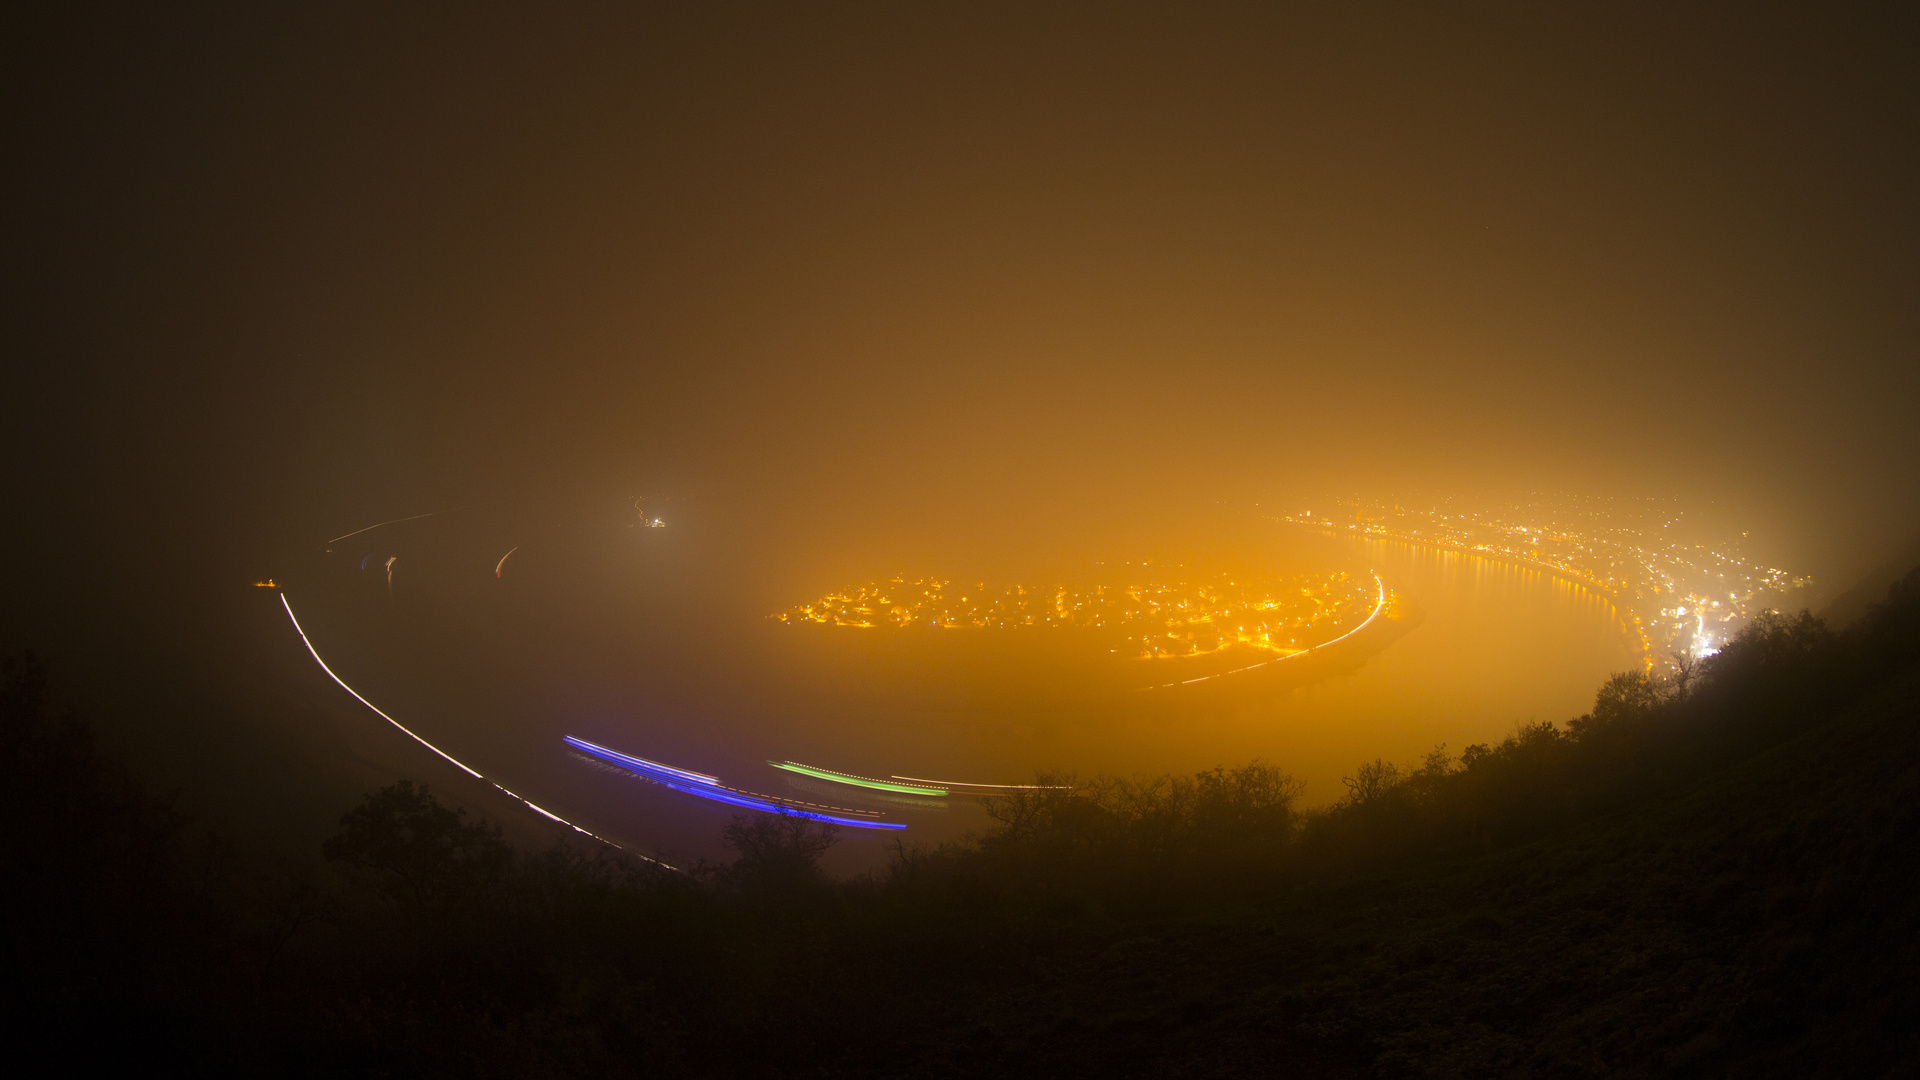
(857, 781)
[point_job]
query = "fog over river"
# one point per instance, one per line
(651, 642)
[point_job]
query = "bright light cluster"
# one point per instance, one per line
(1682, 597)
(1148, 616)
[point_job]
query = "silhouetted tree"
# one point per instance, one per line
(100, 929)
(777, 851)
(1371, 782)
(419, 855)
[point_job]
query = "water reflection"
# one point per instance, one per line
(652, 642)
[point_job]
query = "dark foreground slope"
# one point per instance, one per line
(1766, 921)
(1710, 877)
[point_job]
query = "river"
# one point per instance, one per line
(644, 641)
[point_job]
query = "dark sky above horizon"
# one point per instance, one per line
(947, 278)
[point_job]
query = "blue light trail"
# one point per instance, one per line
(707, 787)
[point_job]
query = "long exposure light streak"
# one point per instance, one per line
(376, 525)
(457, 763)
(501, 565)
(669, 777)
(462, 766)
(1379, 602)
(640, 764)
(997, 787)
(856, 781)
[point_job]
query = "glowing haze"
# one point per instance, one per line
(984, 295)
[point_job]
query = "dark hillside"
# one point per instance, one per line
(1709, 876)
(1766, 921)
(1871, 588)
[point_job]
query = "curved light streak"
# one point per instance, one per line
(855, 781)
(669, 777)
(640, 764)
(1493, 556)
(376, 525)
(457, 763)
(1378, 603)
(503, 561)
(996, 787)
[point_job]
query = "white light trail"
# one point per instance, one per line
(376, 525)
(1379, 602)
(356, 695)
(503, 561)
(457, 763)
(998, 787)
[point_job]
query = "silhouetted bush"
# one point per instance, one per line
(1142, 843)
(106, 928)
(425, 944)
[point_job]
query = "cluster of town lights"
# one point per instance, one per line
(1146, 616)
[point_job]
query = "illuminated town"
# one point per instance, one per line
(1684, 598)
(1145, 618)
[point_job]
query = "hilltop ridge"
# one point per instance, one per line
(1708, 874)
(1764, 920)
